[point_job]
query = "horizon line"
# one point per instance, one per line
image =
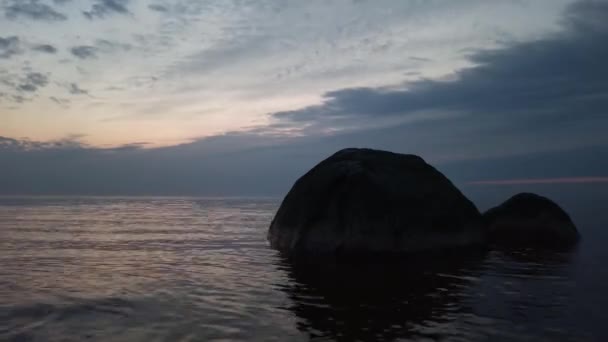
(559, 180)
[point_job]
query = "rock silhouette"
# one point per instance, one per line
(364, 201)
(528, 219)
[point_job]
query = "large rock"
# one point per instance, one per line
(369, 201)
(530, 220)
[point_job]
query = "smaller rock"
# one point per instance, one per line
(528, 219)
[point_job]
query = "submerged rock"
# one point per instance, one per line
(528, 219)
(369, 201)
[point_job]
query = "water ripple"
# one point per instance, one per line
(191, 269)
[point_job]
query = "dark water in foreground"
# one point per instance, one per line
(185, 269)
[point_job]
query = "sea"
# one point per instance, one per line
(200, 269)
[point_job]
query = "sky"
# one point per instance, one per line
(242, 97)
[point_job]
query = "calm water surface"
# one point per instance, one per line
(187, 269)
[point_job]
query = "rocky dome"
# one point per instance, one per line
(530, 219)
(370, 201)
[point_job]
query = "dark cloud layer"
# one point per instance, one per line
(32, 9)
(9, 46)
(556, 79)
(223, 166)
(103, 8)
(84, 51)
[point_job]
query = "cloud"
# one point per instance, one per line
(21, 86)
(32, 9)
(102, 8)
(589, 15)
(527, 111)
(47, 48)
(33, 81)
(84, 52)
(548, 81)
(112, 46)
(129, 147)
(9, 46)
(158, 8)
(59, 101)
(74, 89)
(28, 87)
(70, 142)
(420, 59)
(233, 164)
(101, 45)
(19, 99)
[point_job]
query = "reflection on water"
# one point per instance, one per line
(187, 269)
(379, 301)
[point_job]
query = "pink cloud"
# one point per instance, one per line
(565, 180)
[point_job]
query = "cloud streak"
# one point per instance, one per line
(102, 8)
(74, 89)
(84, 52)
(46, 48)
(32, 9)
(70, 142)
